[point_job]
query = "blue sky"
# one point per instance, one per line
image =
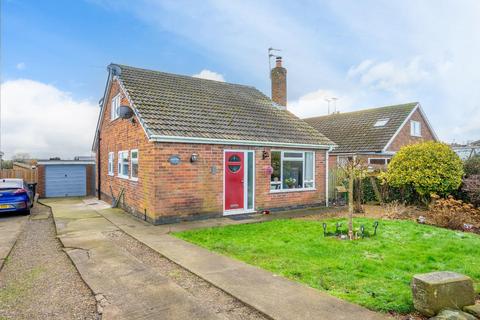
(366, 53)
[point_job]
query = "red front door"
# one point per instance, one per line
(234, 174)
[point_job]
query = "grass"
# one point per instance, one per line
(374, 272)
(18, 289)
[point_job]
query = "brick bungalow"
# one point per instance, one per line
(374, 134)
(185, 148)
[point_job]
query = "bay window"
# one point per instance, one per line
(292, 170)
(123, 164)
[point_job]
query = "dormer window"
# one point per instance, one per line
(381, 122)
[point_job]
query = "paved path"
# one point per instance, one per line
(10, 227)
(124, 287)
(272, 295)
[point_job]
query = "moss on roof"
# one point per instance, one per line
(176, 105)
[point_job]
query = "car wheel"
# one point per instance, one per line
(26, 212)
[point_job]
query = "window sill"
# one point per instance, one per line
(415, 136)
(123, 177)
(110, 174)
(293, 190)
(134, 179)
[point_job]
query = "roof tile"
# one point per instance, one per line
(176, 105)
(355, 131)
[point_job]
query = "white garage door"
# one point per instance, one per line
(65, 180)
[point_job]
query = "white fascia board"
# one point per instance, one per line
(400, 128)
(383, 153)
(179, 139)
(420, 109)
(112, 78)
(57, 162)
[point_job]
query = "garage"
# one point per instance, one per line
(65, 178)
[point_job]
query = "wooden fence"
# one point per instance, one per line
(20, 171)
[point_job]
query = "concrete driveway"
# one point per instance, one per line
(125, 287)
(10, 227)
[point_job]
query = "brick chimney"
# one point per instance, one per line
(279, 83)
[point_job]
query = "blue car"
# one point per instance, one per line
(15, 196)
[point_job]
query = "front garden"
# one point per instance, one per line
(374, 272)
(430, 214)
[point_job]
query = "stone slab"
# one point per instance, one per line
(435, 291)
(473, 309)
(450, 314)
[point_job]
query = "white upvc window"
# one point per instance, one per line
(123, 164)
(111, 158)
(415, 128)
(115, 107)
(134, 164)
(292, 170)
(378, 161)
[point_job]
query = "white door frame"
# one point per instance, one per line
(245, 183)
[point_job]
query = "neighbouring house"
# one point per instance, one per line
(467, 150)
(173, 147)
(374, 134)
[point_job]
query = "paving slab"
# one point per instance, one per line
(10, 227)
(128, 289)
(273, 295)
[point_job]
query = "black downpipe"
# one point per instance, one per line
(98, 167)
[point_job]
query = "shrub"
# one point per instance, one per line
(428, 167)
(472, 166)
(471, 189)
(453, 214)
(405, 194)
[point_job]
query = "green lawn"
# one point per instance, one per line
(373, 272)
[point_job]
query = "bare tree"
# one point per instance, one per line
(355, 169)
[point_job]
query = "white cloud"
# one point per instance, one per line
(42, 120)
(315, 103)
(408, 55)
(210, 75)
(389, 75)
(21, 66)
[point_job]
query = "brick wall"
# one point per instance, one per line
(279, 84)
(404, 137)
(90, 172)
(41, 181)
(165, 192)
(119, 135)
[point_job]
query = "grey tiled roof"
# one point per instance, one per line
(176, 105)
(355, 131)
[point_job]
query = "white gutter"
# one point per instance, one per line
(180, 139)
